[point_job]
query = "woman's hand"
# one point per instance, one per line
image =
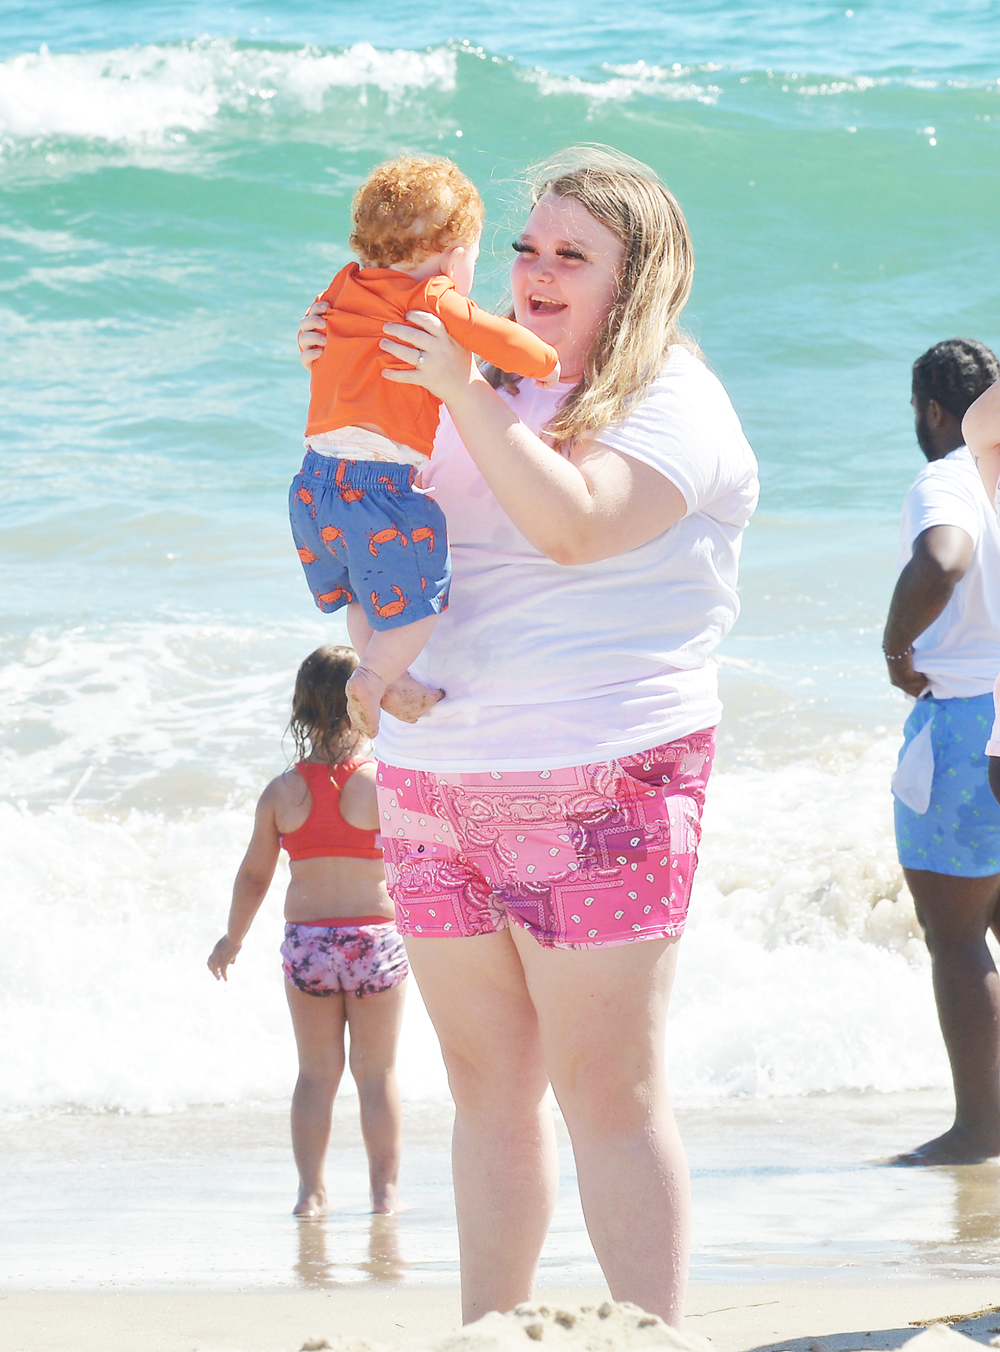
(438, 363)
(312, 332)
(222, 957)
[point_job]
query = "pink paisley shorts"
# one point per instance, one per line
(344, 959)
(582, 857)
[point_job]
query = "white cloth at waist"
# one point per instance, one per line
(358, 443)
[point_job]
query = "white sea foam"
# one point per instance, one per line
(143, 94)
(801, 971)
(181, 714)
(137, 751)
(107, 1002)
(625, 83)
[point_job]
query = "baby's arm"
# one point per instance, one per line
(252, 881)
(506, 345)
(981, 429)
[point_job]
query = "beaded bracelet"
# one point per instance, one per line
(896, 657)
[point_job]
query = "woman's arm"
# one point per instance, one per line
(591, 506)
(253, 878)
(981, 430)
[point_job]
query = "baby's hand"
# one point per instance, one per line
(223, 956)
(547, 382)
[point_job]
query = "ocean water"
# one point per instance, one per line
(174, 189)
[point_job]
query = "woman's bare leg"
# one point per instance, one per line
(375, 1021)
(504, 1151)
(319, 1023)
(601, 1015)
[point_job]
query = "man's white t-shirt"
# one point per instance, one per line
(960, 652)
(545, 665)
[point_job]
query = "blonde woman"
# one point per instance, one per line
(541, 825)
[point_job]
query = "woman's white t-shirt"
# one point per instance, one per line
(546, 665)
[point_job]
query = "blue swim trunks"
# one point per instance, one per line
(959, 834)
(364, 534)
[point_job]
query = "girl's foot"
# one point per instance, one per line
(310, 1206)
(409, 699)
(364, 691)
(385, 1200)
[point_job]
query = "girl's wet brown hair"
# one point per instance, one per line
(319, 722)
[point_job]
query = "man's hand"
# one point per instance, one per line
(905, 676)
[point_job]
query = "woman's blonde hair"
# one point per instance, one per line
(631, 344)
(413, 206)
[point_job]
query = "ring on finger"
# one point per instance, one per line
(420, 358)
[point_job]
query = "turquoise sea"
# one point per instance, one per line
(174, 189)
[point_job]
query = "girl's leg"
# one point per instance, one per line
(319, 1023)
(601, 1015)
(504, 1151)
(375, 1021)
(402, 695)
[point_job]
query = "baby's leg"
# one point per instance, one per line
(384, 661)
(358, 627)
(405, 698)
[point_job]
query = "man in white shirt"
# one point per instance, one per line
(942, 646)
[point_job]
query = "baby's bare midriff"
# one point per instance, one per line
(336, 886)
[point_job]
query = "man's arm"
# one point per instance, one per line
(941, 558)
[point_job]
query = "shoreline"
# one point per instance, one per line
(839, 1314)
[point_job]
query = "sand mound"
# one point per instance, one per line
(611, 1327)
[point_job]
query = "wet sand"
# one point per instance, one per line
(173, 1233)
(840, 1315)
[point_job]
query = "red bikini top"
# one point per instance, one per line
(324, 831)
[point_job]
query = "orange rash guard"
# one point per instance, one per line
(347, 388)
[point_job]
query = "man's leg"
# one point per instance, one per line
(955, 914)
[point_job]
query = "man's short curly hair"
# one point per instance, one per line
(412, 206)
(954, 374)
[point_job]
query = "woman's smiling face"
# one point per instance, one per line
(565, 277)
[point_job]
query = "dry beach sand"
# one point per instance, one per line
(803, 1316)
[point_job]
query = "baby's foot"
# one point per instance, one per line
(409, 699)
(310, 1206)
(364, 690)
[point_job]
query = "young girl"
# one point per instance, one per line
(367, 538)
(344, 962)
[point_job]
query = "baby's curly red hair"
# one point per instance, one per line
(413, 206)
